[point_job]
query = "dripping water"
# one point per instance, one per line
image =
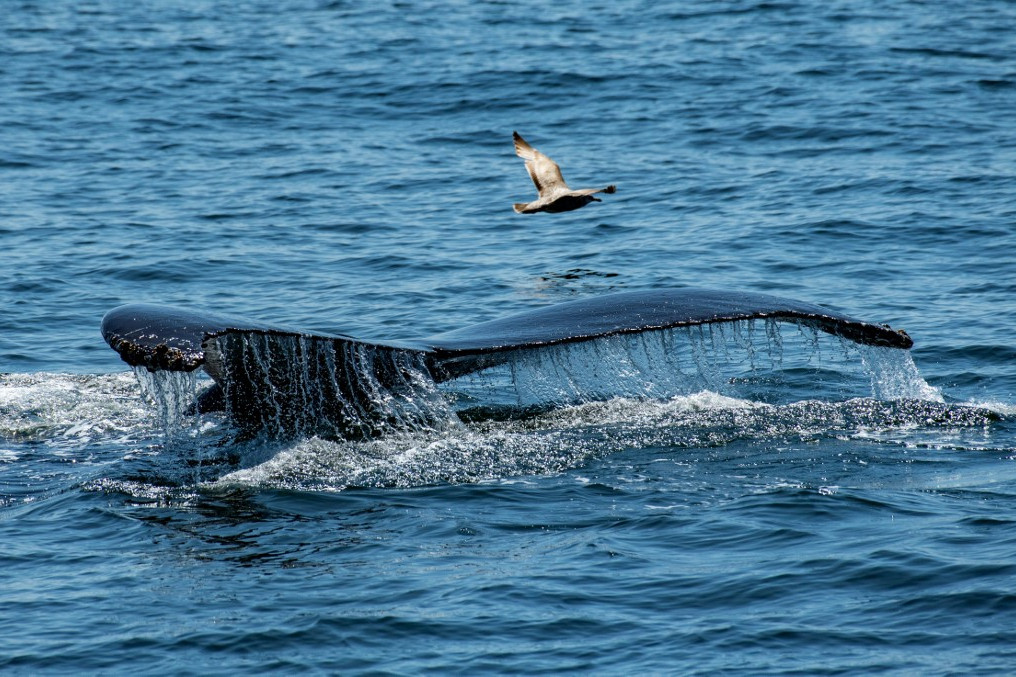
(293, 385)
(171, 393)
(894, 376)
(290, 385)
(760, 360)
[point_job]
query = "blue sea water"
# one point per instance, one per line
(347, 166)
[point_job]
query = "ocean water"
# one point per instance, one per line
(772, 501)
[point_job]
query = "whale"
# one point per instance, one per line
(270, 377)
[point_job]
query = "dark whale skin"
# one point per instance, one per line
(284, 381)
(168, 338)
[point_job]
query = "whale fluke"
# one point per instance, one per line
(554, 194)
(341, 386)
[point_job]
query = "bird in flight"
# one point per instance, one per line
(554, 194)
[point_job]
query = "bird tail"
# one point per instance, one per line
(520, 207)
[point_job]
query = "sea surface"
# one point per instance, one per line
(347, 166)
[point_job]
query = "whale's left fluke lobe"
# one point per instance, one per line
(160, 337)
(282, 381)
(172, 339)
(332, 384)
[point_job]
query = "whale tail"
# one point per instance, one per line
(288, 382)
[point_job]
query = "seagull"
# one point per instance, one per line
(555, 195)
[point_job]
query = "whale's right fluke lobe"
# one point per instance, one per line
(479, 346)
(291, 381)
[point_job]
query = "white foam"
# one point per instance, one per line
(570, 436)
(646, 411)
(73, 407)
(1002, 408)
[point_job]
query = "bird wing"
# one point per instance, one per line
(594, 191)
(544, 172)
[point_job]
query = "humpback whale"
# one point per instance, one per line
(278, 378)
(554, 194)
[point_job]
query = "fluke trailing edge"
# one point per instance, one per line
(342, 380)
